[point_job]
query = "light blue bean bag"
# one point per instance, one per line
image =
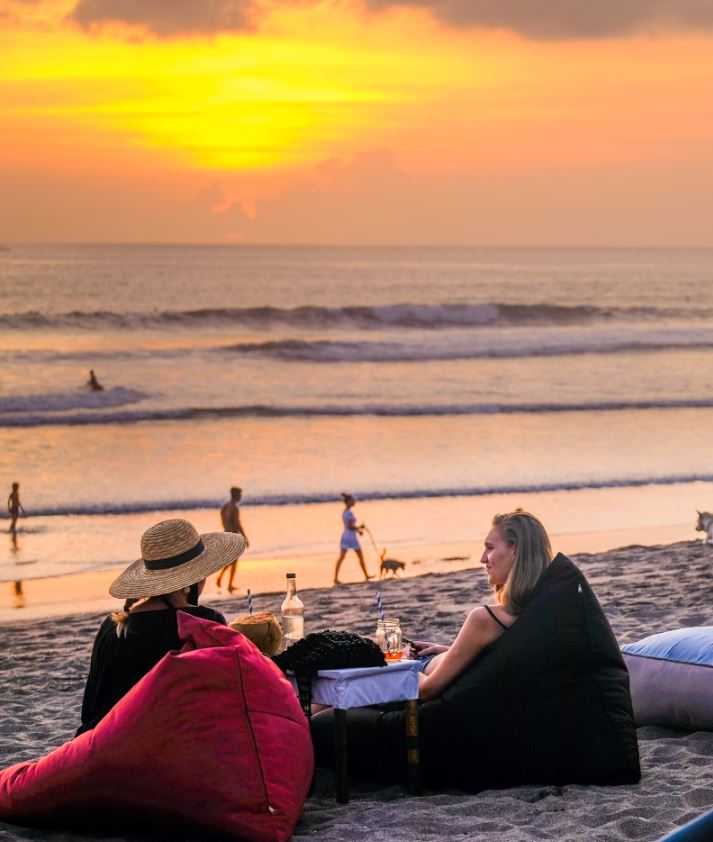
(671, 678)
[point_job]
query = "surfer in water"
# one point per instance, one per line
(93, 383)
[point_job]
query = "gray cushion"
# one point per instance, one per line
(671, 678)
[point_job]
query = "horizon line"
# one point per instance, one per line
(8, 246)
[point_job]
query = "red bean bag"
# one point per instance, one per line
(213, 737)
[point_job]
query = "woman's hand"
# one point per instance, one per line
(422, 648)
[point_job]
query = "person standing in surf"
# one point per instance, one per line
(93, 383)
(14, 506)
(350, 538)
(230, 516)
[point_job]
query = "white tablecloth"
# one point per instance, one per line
(355, 688)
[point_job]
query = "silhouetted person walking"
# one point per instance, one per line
(230, 516)
(14, 506)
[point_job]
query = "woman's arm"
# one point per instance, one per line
(239, 528)
(351, 523)
(96, 664)
(478, 631)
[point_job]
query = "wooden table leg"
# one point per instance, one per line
(341, 759)
(414, 754)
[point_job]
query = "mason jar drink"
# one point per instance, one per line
(388, 638)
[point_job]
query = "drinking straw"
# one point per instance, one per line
(379, 606)
(250, 602)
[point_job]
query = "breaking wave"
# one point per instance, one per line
(341, 410)
(366, 495)
(424, 316)
(477, 345)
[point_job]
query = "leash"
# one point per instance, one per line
(373, 542)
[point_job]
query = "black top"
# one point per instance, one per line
(119, 662)
(492, 614)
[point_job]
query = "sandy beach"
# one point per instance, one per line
(643, 590)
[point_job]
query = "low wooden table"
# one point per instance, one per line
(354, 688)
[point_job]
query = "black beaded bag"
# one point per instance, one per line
(323, 651)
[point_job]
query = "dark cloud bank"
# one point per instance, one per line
(168, 17)
(537, 19)
(566, 18)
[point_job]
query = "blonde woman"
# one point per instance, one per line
(517, 550)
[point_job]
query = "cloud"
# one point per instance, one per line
(535, 19)
(167, 18)
(558, 19)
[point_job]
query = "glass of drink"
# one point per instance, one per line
(388, 638)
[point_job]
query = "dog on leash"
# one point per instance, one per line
(705, 524)
(390, 565)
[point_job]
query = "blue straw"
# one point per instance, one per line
(379, 606)
(250, 602)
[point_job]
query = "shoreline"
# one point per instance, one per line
(424, 533)
(88, 591)
(642, 589)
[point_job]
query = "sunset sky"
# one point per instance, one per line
(357, 121)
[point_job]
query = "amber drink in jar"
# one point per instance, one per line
(388, 637)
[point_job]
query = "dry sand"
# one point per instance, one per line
(643, 590)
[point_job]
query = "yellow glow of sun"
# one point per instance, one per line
(280, 99)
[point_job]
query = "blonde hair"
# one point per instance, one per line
(121, 617)
(527, 536)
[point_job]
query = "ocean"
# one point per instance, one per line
(395, 374)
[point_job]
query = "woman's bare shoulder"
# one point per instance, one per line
(500, 614)
(481, 616)
(480, 628)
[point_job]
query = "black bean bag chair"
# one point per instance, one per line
(547, 703)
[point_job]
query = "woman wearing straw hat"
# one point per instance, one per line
(169, 576)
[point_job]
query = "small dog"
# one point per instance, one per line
(705, 524)
(391, 565)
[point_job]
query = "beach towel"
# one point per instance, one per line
(212, 738)
(547, 703)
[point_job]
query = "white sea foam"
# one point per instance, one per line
(35, 405)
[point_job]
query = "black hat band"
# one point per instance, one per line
(174, 560)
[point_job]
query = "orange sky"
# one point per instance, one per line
(340, 122)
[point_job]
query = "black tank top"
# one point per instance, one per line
(492, 614)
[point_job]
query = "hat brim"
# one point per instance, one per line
(221, 549)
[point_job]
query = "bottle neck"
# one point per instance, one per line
(291, 587)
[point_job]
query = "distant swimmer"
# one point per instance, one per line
(93, 383)
(14, 506)
(230, 516)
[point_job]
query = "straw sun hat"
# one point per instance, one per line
(174, 556)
